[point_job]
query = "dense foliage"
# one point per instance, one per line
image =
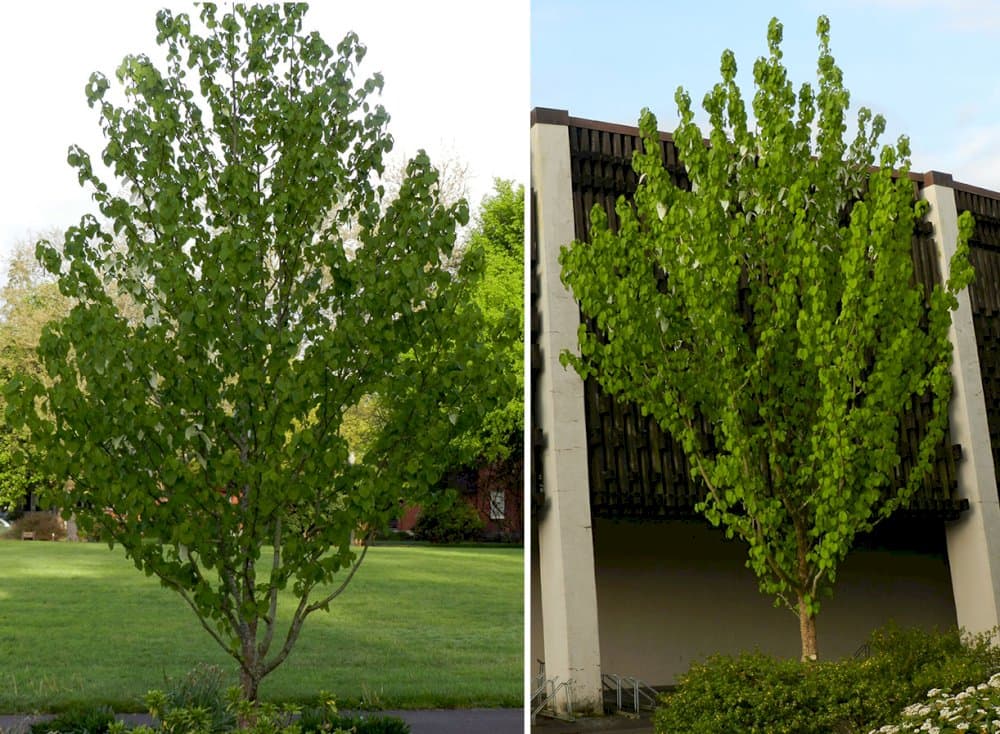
(757, 693)
(497, 236)
(496, 239)
(447, 517)
(28, 300)
(268, 287)
(768, 319)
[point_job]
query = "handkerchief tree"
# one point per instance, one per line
(769, 320)
(201, 425)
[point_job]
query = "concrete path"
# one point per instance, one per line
(431, 721)
(460, 721)
(610, 724)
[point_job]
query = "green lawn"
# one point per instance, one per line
(417, 627)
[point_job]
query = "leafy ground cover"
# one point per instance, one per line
(417, 627)
(757, 693)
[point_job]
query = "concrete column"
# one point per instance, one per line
(974, 539)
(565, 539)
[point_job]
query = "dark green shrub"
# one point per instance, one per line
(938, 660)
(757, 693)
(323, 720)
(749, 693)
(448, 518)
(89, 720)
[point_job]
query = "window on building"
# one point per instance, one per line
(498, 505)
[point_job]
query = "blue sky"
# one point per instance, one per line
(931, 68)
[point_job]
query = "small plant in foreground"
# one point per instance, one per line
(201, 694)
(88, 720)
(975, 709)
(264, 718)
(319, 720)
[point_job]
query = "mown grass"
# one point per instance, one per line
(417, 627)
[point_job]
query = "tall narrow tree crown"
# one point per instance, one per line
(768, 317)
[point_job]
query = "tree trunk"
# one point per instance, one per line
(249, 679)
(249, 685)
(807, 631)
(247, 718)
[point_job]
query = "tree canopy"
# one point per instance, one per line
(497, 236)
(272, 286)
(768, 317)
(495, 239)
(28, 300)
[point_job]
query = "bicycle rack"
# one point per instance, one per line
(642, 696)
(543, 696)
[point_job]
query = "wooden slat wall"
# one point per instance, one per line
(984, 294)
(637, 471)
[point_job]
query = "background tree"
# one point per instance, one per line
(768, 319)
(29, 299)
(209, 428)
(498, 442)
(497, 236)
(495, 443)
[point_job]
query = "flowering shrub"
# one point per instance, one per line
(975, 710)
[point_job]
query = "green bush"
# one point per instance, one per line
(448, 518)
(88, 720)
(757, 693)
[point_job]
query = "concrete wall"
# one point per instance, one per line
(675, 592)
(564, 544)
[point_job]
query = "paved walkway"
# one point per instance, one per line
(429, 721)
(611, 724)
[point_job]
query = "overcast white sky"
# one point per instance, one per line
(456, 84)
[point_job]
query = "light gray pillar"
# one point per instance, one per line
(565, 540)
(974, 539)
